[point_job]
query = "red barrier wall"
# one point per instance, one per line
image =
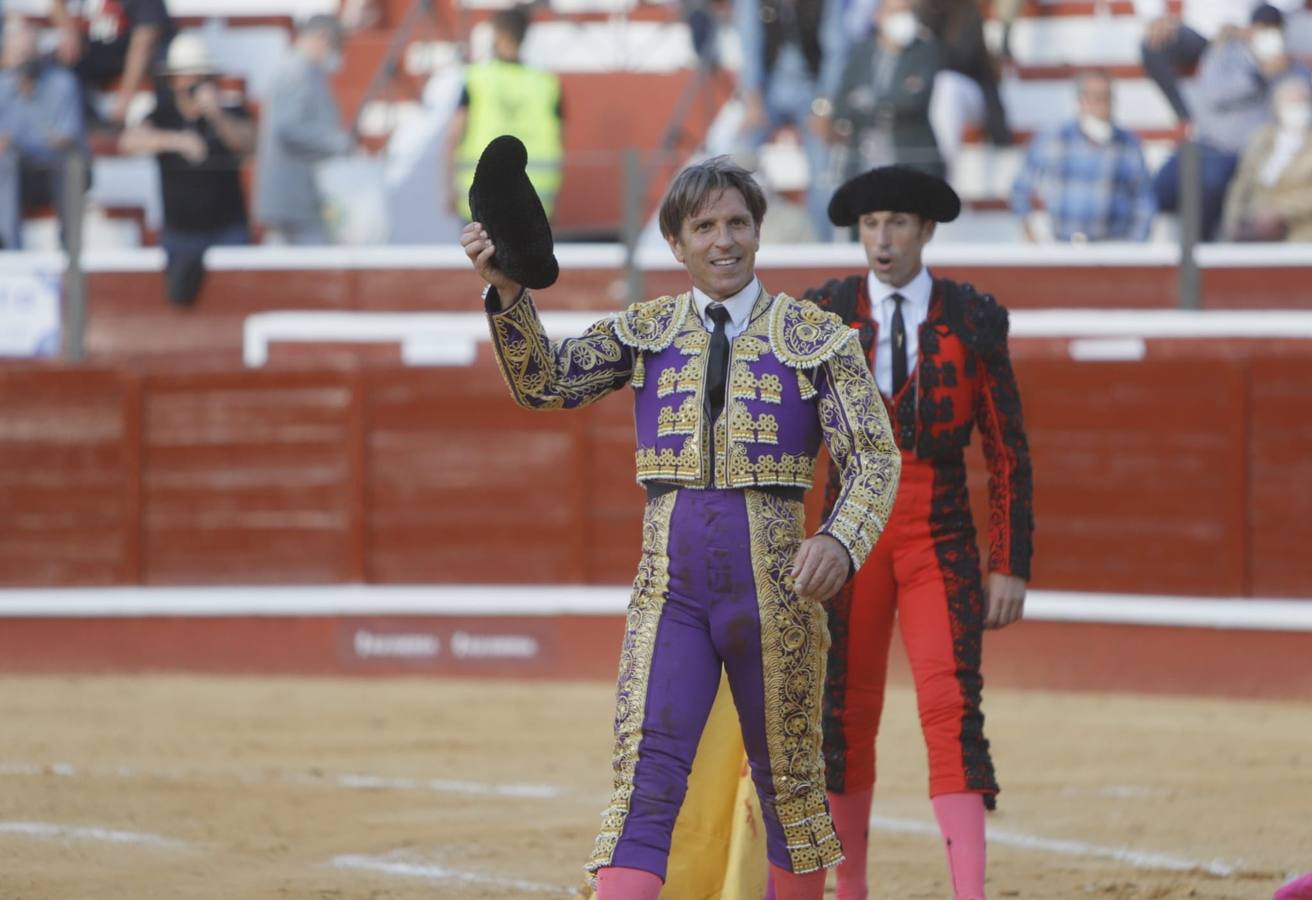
(1186, 473)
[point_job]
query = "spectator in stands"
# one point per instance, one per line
(1174, 43)
(1270, 198)
(504, 96)
(199, 141)
(966, 89)
(1088, 175)
(882, 105)
(792, 58)
(40, 128)
(1231, 104)
(301, 127)
(113, 39)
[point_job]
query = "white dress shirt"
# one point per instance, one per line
(915, 310)
(739, 306)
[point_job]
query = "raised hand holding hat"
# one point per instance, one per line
(503, 201)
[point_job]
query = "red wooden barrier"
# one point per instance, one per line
(1180, 474)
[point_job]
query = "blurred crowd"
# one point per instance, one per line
(853, 83)
(862, 83)
(59, 98)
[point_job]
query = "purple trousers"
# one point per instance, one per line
(714, 589)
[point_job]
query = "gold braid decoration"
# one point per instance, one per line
(861, 444)
(543, 374)
(794, 643)
(652, 324)
(803, 335)
(650, 588)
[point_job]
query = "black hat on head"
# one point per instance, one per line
(894, 189)
(1266, 14)
(502, 199)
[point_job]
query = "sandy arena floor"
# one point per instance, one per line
(170, 787)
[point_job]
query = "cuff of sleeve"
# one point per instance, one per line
(492, 301)
(851, 562)
(854, 533)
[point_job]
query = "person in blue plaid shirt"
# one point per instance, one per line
(1088, 175)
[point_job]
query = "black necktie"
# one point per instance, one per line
(899, 344)
(718, 362)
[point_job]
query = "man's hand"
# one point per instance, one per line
(479, 248)
(190, 146)
(69, 49)
(1004, 600)
(207, 99)
(1161, 31)
(820, 568)
(118, 113)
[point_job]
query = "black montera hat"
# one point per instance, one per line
(894, 189)
(502, 199)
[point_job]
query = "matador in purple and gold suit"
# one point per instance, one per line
(723, 523)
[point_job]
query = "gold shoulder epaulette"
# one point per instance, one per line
(802, 335)
(652, 324)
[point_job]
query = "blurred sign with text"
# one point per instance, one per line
(29, 314)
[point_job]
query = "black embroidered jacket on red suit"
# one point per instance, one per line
(963, 379)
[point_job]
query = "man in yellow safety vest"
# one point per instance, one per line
(504, 96)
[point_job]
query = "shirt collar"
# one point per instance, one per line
(917, 290)
(739, 305)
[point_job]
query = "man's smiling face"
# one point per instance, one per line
(718, 244)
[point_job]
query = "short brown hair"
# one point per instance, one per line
(692, 189)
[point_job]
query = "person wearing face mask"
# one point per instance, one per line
(1088, 176)
(301, 127)
(199, 139)
(1270, 198)
(1173, 43)
(792, 57)
(504, 96)
(882, 105)
(40, 125)
(1231, 103)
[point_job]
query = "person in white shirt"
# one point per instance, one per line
(1270, 198)
(1174, 43)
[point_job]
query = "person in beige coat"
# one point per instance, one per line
(1270, 198)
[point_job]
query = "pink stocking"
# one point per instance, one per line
(961, 822)
(1298, 889)
(787, 886)
(619, 883)
(851, 815)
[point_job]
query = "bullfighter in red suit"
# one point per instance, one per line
(939, 352)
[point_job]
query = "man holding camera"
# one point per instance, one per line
(200, 141)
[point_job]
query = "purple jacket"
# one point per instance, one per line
(796, 375)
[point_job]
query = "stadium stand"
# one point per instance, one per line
(609, 51)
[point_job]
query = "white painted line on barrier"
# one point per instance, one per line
(451, 338)
(656, 257)
(1139, 859)
(489, 601)
(394, 864)
(47, 831)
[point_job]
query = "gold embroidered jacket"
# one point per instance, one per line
(796, 374)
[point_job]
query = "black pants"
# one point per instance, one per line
(1163, 65)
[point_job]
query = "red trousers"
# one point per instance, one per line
(925, 572)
